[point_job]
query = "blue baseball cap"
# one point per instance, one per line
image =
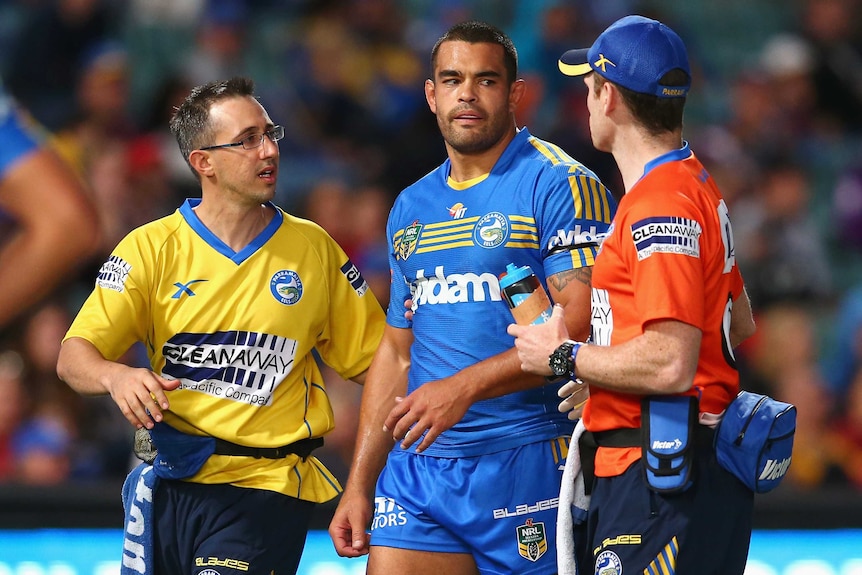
(634, 52)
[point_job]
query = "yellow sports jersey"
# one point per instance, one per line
(238, 330)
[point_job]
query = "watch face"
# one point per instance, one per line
(561, 360)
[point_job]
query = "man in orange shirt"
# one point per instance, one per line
(668, 307)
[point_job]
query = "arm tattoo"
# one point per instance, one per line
(562, 279)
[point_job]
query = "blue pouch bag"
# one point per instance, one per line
(668, 424)
(180, 455)
(754, 440)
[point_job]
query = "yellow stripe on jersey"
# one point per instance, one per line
(560, 449)
(464, 223)
(665, 561)
(554, 153)
(465, 244)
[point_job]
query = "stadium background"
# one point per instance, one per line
(775, 114)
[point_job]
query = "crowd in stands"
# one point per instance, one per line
(775, 115)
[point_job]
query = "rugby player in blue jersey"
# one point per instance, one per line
(468, 479)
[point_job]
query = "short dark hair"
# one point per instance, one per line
(191, 124)
(476, 32)
(657, 115)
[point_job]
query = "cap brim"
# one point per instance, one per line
(574, 63)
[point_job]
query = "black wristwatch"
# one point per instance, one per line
(562, 361)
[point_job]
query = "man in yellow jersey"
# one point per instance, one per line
(230, 295)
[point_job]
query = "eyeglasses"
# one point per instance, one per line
(253, 141)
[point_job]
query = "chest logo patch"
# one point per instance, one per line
(113, 274)
(491, 231)
(286, 287)
(666, 234)
(408, 240)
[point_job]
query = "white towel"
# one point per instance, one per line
(138, 490)
(573, 501)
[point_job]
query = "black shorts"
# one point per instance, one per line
(704, 530)
(227, 530)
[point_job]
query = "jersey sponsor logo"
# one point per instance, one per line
(387, 513)
(526, 508)
(457, 211)
(454, 288)
(216, 562)
(575, 238)
(353, 275)
(602, 317)
(209, 572)
(491, 230)
(242, 366)
(286, 287)
(666, 234)
(406, 242)
(608, 563)
(184, 289)
(113, 274)
(532, 541)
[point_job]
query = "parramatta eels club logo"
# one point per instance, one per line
(491, 230)
(286, 287)
(406, 244)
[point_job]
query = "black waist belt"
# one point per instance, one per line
(631, 436)
(623, 437)
(302, 448)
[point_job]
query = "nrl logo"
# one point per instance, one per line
(532, 542)
(406, 244)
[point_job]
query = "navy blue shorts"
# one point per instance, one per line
(704, 530)
(227, 530)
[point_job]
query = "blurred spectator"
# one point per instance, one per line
(847, 209)
(787, 61)
(844, 441)
(370, 205)
(220, 42)
(833, 29)
(784, 365)
(781, 251)
(12, 410)
(843, 357)
(43, 444)
(46, 56)
(123, 169)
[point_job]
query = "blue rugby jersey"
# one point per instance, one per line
(449, 243)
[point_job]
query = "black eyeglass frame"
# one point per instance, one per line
(253, 141)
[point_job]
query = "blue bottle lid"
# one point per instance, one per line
(514, 274)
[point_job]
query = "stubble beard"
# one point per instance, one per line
(471, 140)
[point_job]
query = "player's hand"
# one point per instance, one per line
(140, 395)
(575, 394)
(430, 410)
(408, 313)
(347, 528)
(536, 342)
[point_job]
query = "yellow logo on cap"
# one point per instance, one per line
(600, 63)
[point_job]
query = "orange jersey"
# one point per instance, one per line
(669, 255)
